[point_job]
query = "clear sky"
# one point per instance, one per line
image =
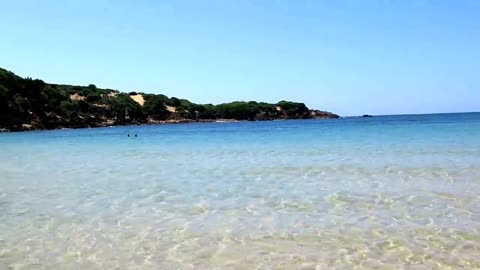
(351, 57)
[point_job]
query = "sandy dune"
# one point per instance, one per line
(138, 98)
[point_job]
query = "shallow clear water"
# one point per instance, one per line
(383, 192)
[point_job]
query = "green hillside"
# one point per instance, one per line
(27, 104)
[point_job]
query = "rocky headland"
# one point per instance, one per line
(32, 104)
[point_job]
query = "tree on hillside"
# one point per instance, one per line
(155, 106)
(293, 109)
(124, 108)
(174, 102)
(237, 110)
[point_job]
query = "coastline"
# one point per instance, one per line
(157, 122)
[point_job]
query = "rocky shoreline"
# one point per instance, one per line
(111, 123)
(27, 127)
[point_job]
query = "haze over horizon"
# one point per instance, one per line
(348, 57)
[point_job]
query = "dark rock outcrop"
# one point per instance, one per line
(316, 114)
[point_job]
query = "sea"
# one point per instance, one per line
(386, 192)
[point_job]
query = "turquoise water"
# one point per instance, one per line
(355, 193)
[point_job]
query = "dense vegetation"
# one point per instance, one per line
(27, 103)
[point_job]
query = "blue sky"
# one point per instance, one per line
(349, 57)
